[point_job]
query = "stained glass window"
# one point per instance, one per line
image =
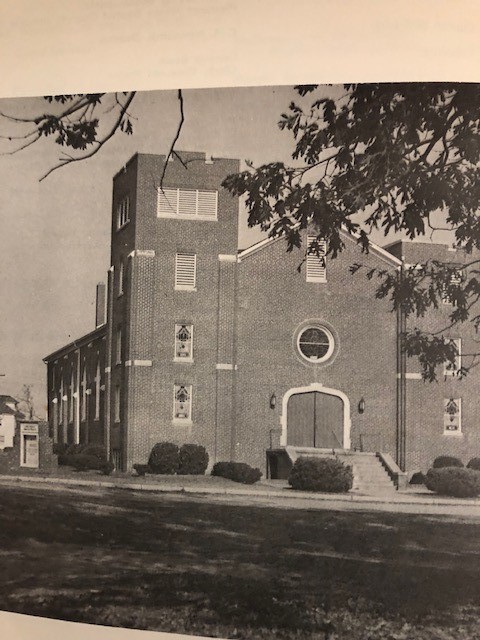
(182, 402)
(183, 341)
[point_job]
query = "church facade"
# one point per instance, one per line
(243, 351)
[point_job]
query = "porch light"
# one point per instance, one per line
(361, 405)
(273, 401)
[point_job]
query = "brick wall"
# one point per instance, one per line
(273, 301)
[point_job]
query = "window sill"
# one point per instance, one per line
(176, 216)
(180, 288)
(181, 423)
(184, 360)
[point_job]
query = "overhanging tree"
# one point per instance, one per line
(394, 157)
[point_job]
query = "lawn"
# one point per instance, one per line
(187, 565)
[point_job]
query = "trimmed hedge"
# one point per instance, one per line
(84, 462)
(192, 460)
(454, 481)
(446, 461)
(474, 464)
(141, 469)
(417, 478)
(106, 467)
(67, 453)
(237, 471)
(164, 458)
(321, 474)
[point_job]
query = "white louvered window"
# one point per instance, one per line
(316, 270)
(123, 212)
(183, 342)
(185, 271)
(200, 204)
(182, 403)
(452, 369)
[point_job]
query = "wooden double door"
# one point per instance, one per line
(315, 419)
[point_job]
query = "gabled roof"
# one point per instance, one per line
(7, 399)
(5, 409)
(374, 248)
(76, 344)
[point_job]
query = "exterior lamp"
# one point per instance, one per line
(273, 401)
(361, 405)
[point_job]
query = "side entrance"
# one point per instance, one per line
(316, 416)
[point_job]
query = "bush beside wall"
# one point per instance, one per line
(193, 460)
(237, 471)
(164, 458)
(321, 474)
(474, 464)
(446, 461)
(454, 481)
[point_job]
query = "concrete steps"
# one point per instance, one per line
(369, 475)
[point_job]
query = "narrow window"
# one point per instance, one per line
(83, 406)
(123, 212)
(452, 369)
(60, 403)
(184, 342)
(182, 405)
(316, 270)
(452, 415)
(185, 271)
(72, 398)
(118, 345)
(117, 403)
(97, 391)
(121, 277)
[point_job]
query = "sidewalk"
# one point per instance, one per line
(266, 490)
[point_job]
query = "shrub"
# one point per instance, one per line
(141, 469)
(454, 481)
(446, 461)
(59, 448)
(82, 462)
(75, 449)
(164, 458)
(418, 478)
(193, 459)
(474, 464)
(106, 467)
(95, 450)
(237, 471)
(321, 474)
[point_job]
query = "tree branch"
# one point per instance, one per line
(172, 151)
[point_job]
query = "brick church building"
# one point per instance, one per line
(241, 351)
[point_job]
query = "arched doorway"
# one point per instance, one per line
(316, 416)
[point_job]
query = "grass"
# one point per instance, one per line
(187, 565)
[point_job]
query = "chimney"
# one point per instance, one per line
(100, 305)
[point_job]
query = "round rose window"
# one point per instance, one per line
(315, 344)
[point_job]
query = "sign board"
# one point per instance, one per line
(29, 446)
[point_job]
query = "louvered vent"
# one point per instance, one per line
(185, 270)
(187, 203)
(316, 263)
